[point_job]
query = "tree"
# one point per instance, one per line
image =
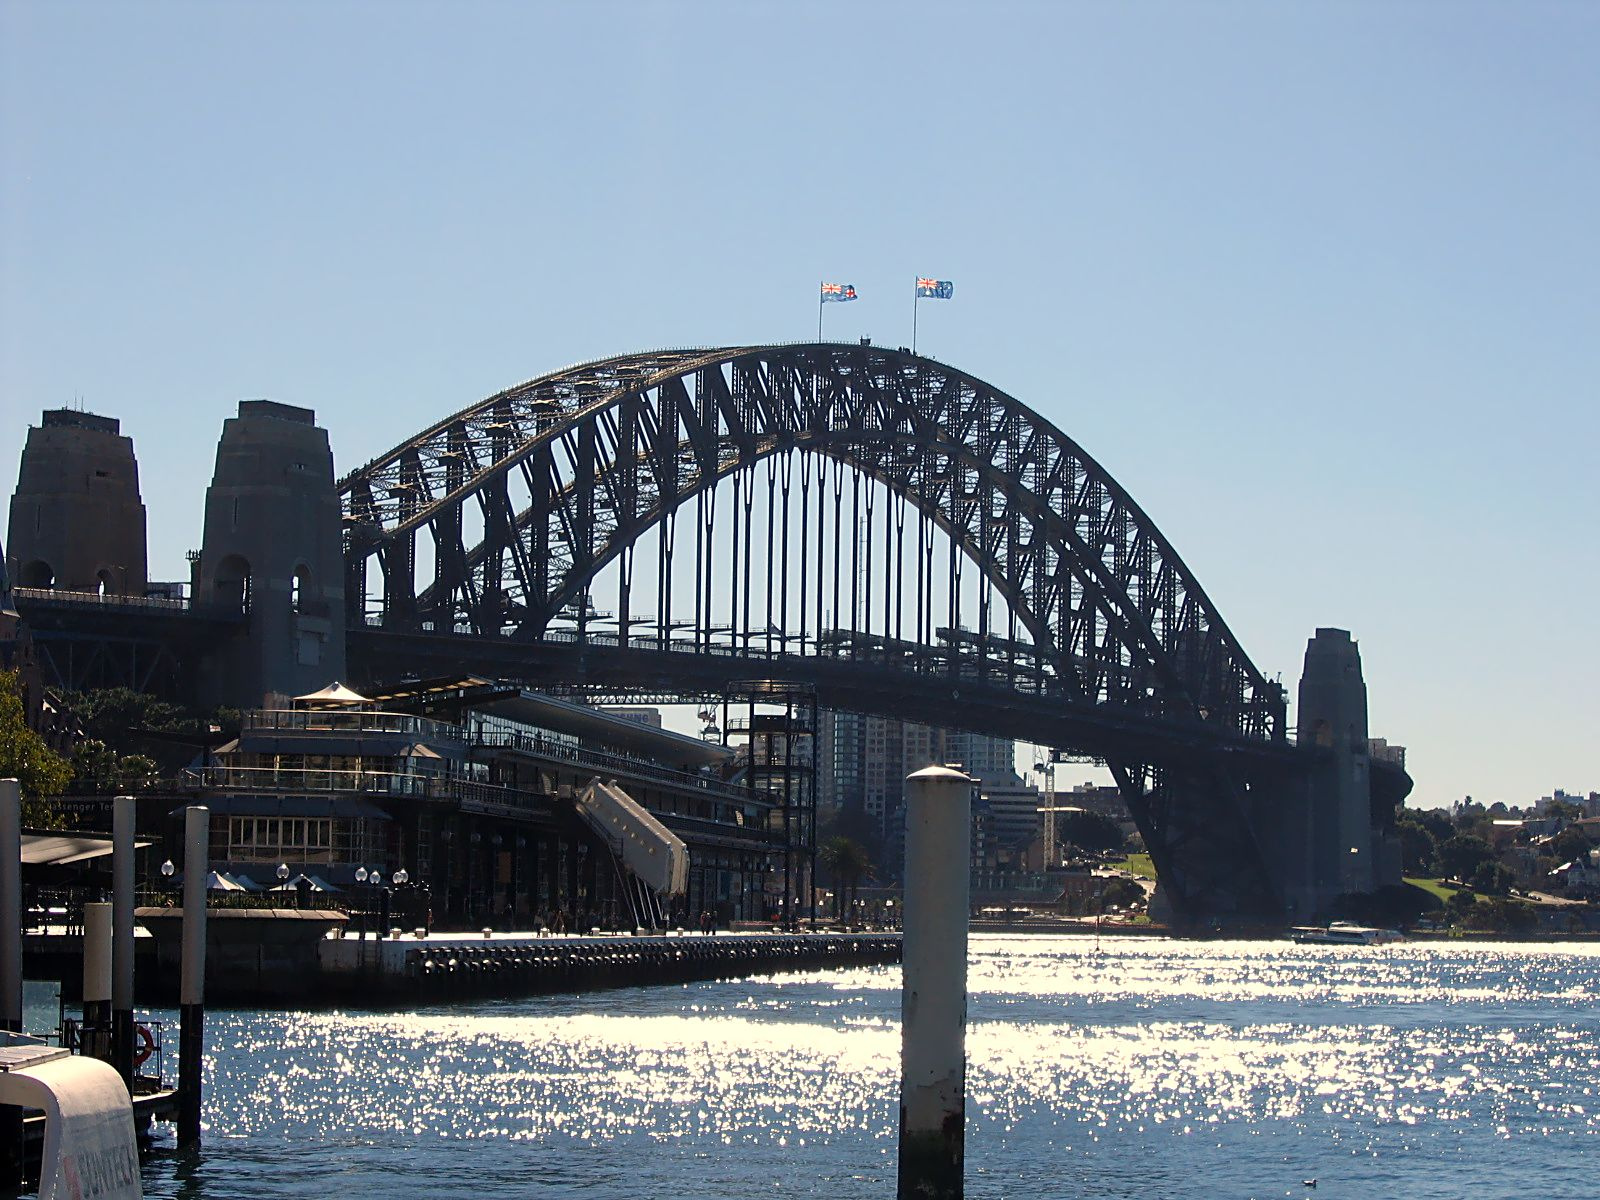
(97, 766)
(1435, 820)
(135, 725)
(1462, 855)
(1491, 877)
(1122, 893)
(25, 757)
(846, 864)
(1088, 830)
(1568, 845)
(1418, 845)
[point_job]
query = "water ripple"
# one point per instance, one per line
(1136, 1067)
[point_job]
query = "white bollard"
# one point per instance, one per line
(11, 1170)
(933, 998)
(10, 905)
(97, 979)
(192, 993)
(123, 809)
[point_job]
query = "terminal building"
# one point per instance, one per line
(485, 805)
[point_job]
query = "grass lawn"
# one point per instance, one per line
(1439, 891)
(1140, 865)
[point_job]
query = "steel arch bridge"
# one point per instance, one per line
(892, 532)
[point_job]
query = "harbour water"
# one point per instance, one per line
(1135, 1067)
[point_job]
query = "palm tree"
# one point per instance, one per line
(846, 863)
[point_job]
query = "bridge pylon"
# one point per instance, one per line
(272, 548)
(77, 521)
(1330, 833)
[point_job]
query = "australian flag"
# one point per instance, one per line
(934, 289)
(838, 292)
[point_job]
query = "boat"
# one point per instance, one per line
(1344, 933)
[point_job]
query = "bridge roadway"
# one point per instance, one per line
(999, 707)
(85, 640)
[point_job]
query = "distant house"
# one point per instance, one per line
(1503, 831)
(1581, 876)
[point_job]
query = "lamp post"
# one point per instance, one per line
(361, 877)
(167, 871)
(399, 879)
(375, 879)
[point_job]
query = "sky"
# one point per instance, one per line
(1319, 284)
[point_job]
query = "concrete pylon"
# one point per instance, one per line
(272, 547)
(1333, 724)
(77, 521)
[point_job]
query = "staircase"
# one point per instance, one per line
(652, 862)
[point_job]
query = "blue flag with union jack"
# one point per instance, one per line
(934, 289)
(838, 292)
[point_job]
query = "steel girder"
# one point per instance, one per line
(609, 451)
(599, 455)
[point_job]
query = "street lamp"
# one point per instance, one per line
(400, 878)
(361, 877)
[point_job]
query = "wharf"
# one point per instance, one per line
(443, 967)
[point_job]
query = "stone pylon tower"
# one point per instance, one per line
(77, 522)
(272, 547)
(1333, 722)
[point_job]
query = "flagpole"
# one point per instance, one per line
(914, 300)
(819, 310)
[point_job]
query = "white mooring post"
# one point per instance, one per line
(192, 996)
(122, 828)
(11, 1172)
(933, 998)
(97, 980)
(10, 905)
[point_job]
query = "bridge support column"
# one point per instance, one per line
(272, 547)
(1326, 844)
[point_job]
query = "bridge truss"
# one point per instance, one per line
(895, 533)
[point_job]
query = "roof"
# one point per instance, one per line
(605, 730)
(58, 849)
(440, 687)
(333, 696)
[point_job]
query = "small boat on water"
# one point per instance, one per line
(1344, 933)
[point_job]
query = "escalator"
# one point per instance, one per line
(651, 861)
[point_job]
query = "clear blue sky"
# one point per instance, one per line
(1318, 283)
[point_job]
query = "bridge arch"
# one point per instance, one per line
(527, 496)
(603, 453)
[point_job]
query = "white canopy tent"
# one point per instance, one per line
(335, 695)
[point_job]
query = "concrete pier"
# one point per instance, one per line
(465, 966)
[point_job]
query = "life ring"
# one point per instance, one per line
(145, 1044)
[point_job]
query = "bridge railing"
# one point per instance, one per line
(111, 600)
(349, 720)
(469, 792)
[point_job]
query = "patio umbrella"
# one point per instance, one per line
(311, 883)
(218, 882)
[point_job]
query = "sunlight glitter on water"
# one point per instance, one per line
(1249, 1055)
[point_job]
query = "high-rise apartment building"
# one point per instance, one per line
(866, 759)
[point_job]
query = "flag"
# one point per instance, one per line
(839, 292)
(934, 289)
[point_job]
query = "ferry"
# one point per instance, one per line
(1344, 933)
